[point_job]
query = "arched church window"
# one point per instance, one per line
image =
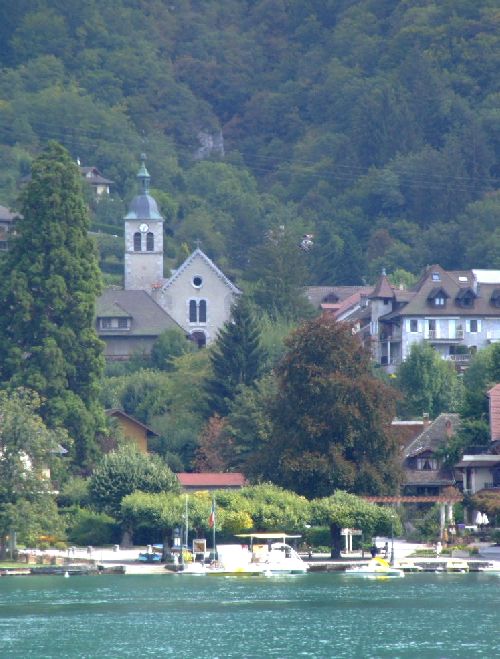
(193, 315)
(137, 242)
(150, 242)
(202, 312)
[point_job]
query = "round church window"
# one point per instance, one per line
(197, 281)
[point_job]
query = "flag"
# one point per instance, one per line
(211, 519)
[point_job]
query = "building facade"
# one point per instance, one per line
(457, 312)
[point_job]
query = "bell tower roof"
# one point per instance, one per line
(143, 206)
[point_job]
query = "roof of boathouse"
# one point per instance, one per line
(211, 480)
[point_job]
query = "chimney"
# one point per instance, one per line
(425, 420)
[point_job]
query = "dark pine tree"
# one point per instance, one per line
(49, 283)
(237, 358)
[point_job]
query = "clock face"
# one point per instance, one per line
(143, 228)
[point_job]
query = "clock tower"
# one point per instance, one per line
(143, 239)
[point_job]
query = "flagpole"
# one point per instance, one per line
(213, 530)
(187, 518)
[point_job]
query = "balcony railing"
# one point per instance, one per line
(459, 358)
(457, 335)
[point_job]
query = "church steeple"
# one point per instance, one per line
(143, 175)
(143, 238)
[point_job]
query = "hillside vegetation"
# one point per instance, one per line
(372, 124)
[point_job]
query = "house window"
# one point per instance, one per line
(106, 323)
(193, 311)
(413, 325)
(427, 464)
(4, 245)
(150, 242)
(122, 323)
(202, 311)
(137, 242)
(197, 311)
(473, 326)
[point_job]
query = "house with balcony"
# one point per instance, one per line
(457, 312)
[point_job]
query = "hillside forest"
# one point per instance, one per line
(372, 124)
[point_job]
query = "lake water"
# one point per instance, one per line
(315, 615)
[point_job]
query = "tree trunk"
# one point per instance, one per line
(335, 540)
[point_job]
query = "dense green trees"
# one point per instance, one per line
(49, 283)
(428, 383)
(124, 471)
(330, 417)
(28, 449)
(354, 118)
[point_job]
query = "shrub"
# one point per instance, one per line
(86, 527)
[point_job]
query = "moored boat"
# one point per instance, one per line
(260, 559)
(375, 568)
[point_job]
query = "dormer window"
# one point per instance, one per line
(465, 298)
(495, 298)
(436, 276)
(330, 298)
(437, 297)
(427, 464)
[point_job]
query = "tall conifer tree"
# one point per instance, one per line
(49, 283)
(237, 358)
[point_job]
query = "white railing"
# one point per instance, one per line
(458, 358)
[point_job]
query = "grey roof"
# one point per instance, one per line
(6, 215)
(433, 436)
(431, 439)
(316, 294)
(454, 284)
(198, 253)
(96, 176)
(148, 318)
(143, 207)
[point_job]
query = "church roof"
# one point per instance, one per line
(190, 259)
(143, 207)
(148, 318)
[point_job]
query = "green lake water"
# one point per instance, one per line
(316, 615)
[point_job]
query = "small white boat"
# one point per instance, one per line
(375, 568)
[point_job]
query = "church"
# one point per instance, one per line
(196, 298)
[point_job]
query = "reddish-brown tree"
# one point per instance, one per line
(215, 447)
(331, 416)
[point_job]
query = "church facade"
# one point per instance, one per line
(197, 297)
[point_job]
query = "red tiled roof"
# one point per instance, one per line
(494, 394)
(211, 479)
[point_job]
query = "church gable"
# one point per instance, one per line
(199, 297)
